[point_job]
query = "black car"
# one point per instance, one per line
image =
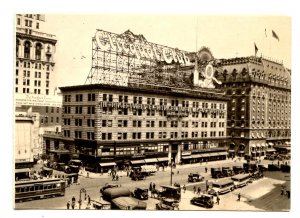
(140, 193)
(137, 175)
(206, 201)
(195, 177)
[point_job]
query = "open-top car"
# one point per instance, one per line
(167, 204)
(109, 185)
(140, 193)
(195, 177)
(203, 201)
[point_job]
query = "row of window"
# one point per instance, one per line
(38, 66)
(27, 90)
(138, 123)
(147, 135)
(36, 74)
(140, 100)
(46, 120)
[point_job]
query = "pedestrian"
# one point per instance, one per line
(73, 205)
(68, 205)
(177, 171)
(87, 174)
(184, 188)
(150, 187)
(239, 197)
(153, 186)
(79, 203)
(113, 177)
(199, 191)
(117, 177)
(218, 200)
(73, 199)
(194, 189)
(89, 199)
(205, 169)
(282, 190)
(85, 196)
(278, 163)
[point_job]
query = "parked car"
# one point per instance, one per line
(140, 193)
(238, 169)
(227, 171)
(100, 205)
(203, 201)
(195, 177)
(216, 172)
(167, 204)
(221, 187)
(172, 192)
(137, 175)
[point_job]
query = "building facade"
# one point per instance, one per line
(34, 56)
(110, 124)
(35, 92)
(259, 111)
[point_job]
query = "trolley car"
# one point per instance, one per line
(39, 189)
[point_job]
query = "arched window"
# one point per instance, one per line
(38, 51)
(27, 46)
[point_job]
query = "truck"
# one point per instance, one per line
(120, 198)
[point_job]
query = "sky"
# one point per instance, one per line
(226, 36)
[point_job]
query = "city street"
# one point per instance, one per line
(261, 195)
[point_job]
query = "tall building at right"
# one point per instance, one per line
(259, 112)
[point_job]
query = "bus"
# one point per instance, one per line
(221, 187)
(39, 189)
(241, 180)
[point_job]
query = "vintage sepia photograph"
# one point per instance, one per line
(153, 112)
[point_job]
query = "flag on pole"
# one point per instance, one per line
(266, 32)
(255, 48)
(275, 35)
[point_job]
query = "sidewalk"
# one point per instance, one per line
(122, 173)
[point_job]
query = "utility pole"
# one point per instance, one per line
(171, 171)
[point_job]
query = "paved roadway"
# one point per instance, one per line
(263, 194)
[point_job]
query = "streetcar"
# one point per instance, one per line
(39, 189)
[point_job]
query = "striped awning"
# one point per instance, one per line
(107, 164)
(161, 159)
(223, 153)
(23, 170)
(137, 161)
(151, 160)
(186, 157)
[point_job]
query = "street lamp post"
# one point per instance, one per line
(171, 172)
(81, 191)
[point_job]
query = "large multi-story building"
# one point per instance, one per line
(259, 112)
(34, 74)
(111, 124)
(34, 56)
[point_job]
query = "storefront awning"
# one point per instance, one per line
(197, 156)
(161, 159)
(151, 160)
(223, 153)
(205, 155)
(137, 161)
(271, 150)
(107, 164)
(23, 170)
(186, 157)
(213, 154)
(231, 151)
(241, 152)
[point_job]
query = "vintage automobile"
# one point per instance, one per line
(140, 193)
(172, 192)
(216, 172)
(204, 200)
(195, 177)
(137, 175)
(109, 185)
(221, 187)
(100, 205)
(238, 169)
(256, 175)
(227, 171)
(128, 203)
(167, 204)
